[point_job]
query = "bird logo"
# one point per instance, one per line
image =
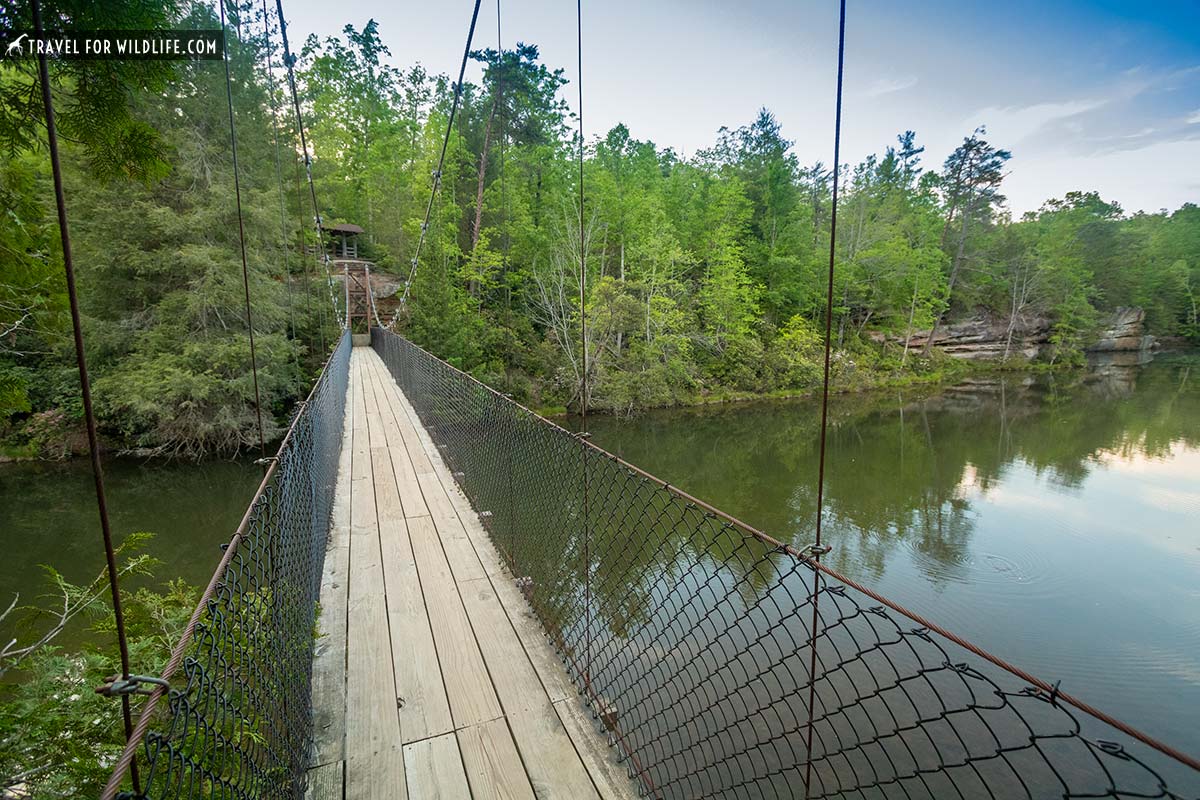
(15, 44)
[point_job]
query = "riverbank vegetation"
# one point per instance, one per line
(705, 273)
(58, 737)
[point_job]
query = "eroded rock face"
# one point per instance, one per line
(986, 337)
(1125, 330)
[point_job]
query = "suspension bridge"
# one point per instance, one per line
(437, 593)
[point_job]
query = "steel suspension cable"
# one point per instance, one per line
(817, 548)
(278, 165)
(509, 494)
(583, 391)
(85, 386)
(290, 62)
(304, 257)
(437, 174)
(237, 191)
(503, 166)
(371, 298)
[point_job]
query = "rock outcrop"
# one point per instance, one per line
(986, 337)
(1125, 330)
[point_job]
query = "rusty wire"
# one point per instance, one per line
(238, 722)
(700, 635)
(85, 383)
(437, 173)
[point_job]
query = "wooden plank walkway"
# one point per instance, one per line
(431, 677)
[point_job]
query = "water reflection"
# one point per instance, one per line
(1052, 520)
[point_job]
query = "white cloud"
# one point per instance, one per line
(884, 86)
(1194, 119)
(1012, 124)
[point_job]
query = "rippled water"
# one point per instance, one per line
(1053, 521)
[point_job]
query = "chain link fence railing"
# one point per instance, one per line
(723, 663)
(237, 718)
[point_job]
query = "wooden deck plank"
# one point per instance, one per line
(492, 763)
(374, 756)
(329, 656)
(460, 552)
(468, 686)
(549, 754)
(362, 495)
(398, 441)
(609, 776)
(424, 706)
(421, 694)
(326, 782)
(434, 769)
(517, 684)
(435, 625)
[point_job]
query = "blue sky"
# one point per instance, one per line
(1087, 95)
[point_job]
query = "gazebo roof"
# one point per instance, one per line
(344, 228)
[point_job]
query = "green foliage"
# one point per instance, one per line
(58, 738)
(705, 276)
(795, 355)
(158, 262)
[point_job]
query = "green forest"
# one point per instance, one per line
(705, 274)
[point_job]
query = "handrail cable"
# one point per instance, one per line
(290, 61)
(817, 548)
(85, 386)
(437, 174)
(805, 555)
(237, 190)
(283, 231)
(177, 658)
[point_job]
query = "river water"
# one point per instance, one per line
(48, 517)
(1055, 522)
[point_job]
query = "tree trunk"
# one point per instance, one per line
(1012, 314)
(483, 161)
(912, 312)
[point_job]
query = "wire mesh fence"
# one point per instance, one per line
(237, 721)
(722, 663)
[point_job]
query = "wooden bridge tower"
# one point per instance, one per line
(344, 259)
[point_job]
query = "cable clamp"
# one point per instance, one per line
(116, 686)
(263, 462)
(808, 551)
(582, 434)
